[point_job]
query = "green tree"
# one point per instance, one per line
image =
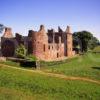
(21, 51)
(93, 43)
(1, 28)
(75, 40)
(85, 40)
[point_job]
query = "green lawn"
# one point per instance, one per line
(23, 85)
(87, 65)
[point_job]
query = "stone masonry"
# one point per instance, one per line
(44, 45)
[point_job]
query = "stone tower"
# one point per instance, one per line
(7, 43)
(40, 43)
(69, 42)
(8, 33)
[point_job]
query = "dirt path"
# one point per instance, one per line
(55, 75)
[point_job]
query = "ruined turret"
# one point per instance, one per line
(69, 41)
(42, 34)
(42, 28)
(8, 33)
(68, 29)
(40, 42)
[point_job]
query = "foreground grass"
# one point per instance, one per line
(87, 65)
(22, 85)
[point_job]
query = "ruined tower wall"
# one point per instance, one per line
(69, 42)
(8, 43)
(44, 50)
(40, 43)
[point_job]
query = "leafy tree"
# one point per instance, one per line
(85, 40)
(75, 40)
(93, 43)
(1, 28)
(21, 51)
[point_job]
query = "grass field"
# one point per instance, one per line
(23, 85)
(87, 65)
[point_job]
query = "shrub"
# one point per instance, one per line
(21, 51)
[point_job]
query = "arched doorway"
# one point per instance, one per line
(8, 48)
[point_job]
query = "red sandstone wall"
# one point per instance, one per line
(50, 51)
(40, 42)
(44, 50)
(69, 45)
(69, 42)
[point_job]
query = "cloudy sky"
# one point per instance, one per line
(22, 15)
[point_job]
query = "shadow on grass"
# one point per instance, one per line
(98, 68)
(22, 62)
(28, 64)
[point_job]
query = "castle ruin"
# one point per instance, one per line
(44, 45)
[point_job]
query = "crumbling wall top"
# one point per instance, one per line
(8, 33)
